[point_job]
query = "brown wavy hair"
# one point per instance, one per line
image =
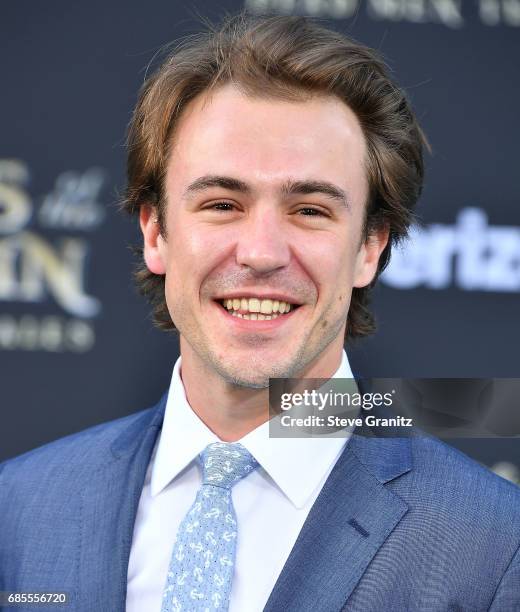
(289, 58)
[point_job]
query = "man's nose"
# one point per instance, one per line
(263, 243)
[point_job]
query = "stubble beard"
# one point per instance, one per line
(258, 374)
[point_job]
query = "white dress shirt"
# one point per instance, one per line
(271, 504)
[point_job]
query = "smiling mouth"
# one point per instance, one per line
(256, 309)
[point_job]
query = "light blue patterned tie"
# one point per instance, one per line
(203, 557)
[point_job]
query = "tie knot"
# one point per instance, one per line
(224, 464)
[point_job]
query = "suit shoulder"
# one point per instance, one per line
(450, 471)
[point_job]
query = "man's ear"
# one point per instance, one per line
(152, 239)
(368, 257)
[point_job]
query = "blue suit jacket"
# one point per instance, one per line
(402, 524)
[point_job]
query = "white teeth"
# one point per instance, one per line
(254, 316)
(266, 307)
(255, 305)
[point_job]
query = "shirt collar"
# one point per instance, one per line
(296, 465)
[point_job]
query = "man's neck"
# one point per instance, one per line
(232, 411)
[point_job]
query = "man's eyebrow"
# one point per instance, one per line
(310, 187)
(304, 187)
(210, 180)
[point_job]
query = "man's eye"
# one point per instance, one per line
(311, 212)
(221, 206)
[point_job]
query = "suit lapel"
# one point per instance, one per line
(108, 509)
(350, 520)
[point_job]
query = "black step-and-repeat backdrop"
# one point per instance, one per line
(76, 343)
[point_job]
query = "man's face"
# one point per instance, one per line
(265, 201)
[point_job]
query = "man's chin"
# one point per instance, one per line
(245, 379)
(251, 377)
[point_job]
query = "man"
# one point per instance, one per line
(272, 164)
